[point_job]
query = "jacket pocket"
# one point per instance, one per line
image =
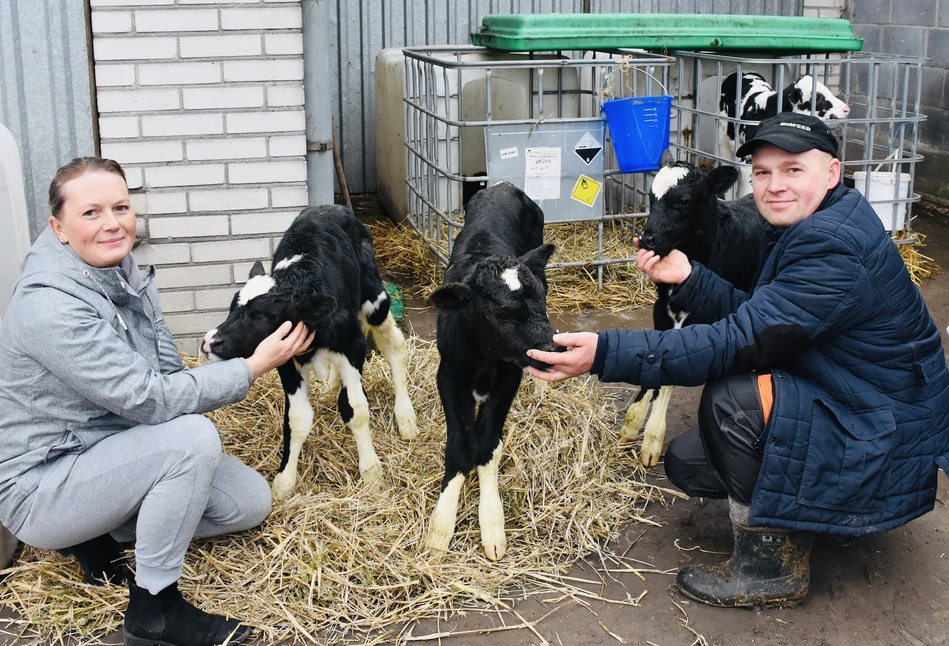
(849, 455)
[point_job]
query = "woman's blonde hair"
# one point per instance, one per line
(76, 168)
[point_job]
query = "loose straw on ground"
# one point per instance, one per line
(338, 561)
(920, 267)
(575, 289)
(572, 289)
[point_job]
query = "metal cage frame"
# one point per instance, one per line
(434, 135)
(882, 129)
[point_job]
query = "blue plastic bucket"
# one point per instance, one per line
(639, 129)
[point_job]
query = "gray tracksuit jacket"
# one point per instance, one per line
(85, 353)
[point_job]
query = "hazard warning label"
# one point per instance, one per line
(586, 190)
(588, 148)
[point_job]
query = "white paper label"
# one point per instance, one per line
(542, 173)
(508, 153)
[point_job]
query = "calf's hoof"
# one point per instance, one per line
(282, 485)
(628, 434)
(495, 551)
(437, 541)
(407, 423)
(373, 475)
(650, 453)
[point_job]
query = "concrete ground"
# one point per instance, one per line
(887, 589)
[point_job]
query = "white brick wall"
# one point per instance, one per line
(823, 8)
(201, 101)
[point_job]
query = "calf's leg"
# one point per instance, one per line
(655, 431)
(489, 428)
(297, 421)
(392, 345)
(636, 415)
(664, 317)
(460, 452)
(354, 408)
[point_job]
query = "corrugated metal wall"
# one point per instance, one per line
(45, 93)
(363, 27)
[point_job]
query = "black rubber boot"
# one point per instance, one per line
(768, 569)
(167, 619)
(101, 559)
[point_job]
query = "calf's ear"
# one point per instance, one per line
(536, 259)
(257, 270)
(451, 296)
(315, 307)
(792, 96)
(666, 158)
(722, 178)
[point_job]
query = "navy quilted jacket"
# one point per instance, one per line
(861, 404)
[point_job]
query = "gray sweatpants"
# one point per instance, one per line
(158, 485)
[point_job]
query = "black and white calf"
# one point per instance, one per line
(756, 100)
(685, 213)
(324, 273)
(491, 310)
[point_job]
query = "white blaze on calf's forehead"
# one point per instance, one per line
(509, 276)
(286, 262)
(667, 177)
(255, 287)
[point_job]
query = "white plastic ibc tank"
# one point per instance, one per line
(14, 242)
(14, 219)
(510, 92)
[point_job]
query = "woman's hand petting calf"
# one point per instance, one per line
(281, 346)
(577, 360)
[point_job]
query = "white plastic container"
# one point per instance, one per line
(14, 219)
(882, 191)
(513, 90)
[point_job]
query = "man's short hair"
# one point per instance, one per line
(792, 132)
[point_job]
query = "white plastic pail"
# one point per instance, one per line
(883, 187)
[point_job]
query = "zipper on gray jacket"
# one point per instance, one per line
(88, 274)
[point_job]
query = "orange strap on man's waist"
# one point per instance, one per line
(766, 394)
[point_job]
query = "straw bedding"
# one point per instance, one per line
(575, 289)
(405, 256)
(338, 561)
(920, 266)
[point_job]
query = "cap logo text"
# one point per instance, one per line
(795, 125)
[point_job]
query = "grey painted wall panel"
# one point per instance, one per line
(363, 27)
(45, 96)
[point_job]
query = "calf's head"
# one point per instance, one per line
(506, 300)
(257, 310)
(681, 201)
(797, 98)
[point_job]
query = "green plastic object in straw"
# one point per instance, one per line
(396, 303)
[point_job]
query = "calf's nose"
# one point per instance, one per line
(208, 339)
(647, 240)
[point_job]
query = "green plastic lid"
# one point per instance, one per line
(657, 31)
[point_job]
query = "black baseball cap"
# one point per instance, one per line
(792, 132)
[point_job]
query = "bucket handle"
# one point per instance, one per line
(895, 155)
(606, 88)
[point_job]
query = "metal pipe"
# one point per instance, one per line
(317, 90)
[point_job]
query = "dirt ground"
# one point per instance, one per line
(887, 589)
